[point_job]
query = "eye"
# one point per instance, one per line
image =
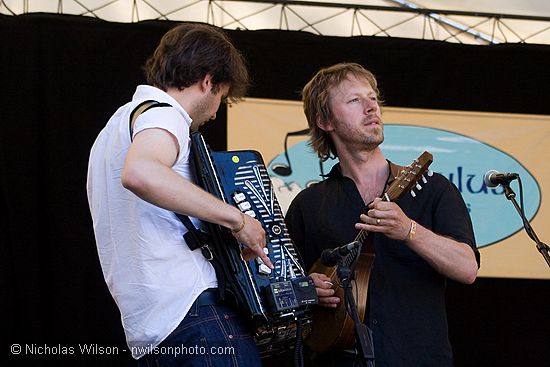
(353, 100)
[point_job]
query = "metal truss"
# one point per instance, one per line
(390, 18)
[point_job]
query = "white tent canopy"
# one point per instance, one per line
(460, 21)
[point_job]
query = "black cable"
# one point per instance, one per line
(541, 246)
(298, 346)
(528, 228)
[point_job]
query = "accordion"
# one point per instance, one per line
(277, 301)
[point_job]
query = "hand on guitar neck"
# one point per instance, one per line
(386, 217)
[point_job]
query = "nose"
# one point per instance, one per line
(370, 106)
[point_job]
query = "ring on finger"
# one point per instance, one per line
(378, 221)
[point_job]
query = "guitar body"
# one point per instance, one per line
(333, 328)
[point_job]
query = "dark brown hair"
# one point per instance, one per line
(188, 52)
(316, 102)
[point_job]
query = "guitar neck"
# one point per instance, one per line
(363, 234)
(404, 182)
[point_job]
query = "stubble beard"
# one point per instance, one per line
(361, 137)
(202, 109)
(374, 140)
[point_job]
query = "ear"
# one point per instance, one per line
(326, 126)
(206, 83)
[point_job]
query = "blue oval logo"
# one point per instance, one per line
(463, 160)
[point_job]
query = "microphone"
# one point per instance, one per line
(331, 257)
(493, 178)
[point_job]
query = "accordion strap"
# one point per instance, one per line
(195, 238)
(141, 108)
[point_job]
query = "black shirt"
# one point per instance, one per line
(406, 310)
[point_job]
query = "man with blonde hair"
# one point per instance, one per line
(419, 242)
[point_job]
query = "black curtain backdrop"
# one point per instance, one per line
(63, 76)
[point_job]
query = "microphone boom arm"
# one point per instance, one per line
(541, 246)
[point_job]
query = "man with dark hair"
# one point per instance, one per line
(139, 177)
(419, 241)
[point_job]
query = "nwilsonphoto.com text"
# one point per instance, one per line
(94, 349)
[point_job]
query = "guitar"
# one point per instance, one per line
(333, 329)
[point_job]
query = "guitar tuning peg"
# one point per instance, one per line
(413, 194)
(430, 173)
(424, 180)
(418, 187)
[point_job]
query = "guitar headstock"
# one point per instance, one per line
(409, 177)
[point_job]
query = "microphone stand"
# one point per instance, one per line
(363, 335)
(542, 247)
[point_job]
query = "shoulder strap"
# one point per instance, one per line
(141, 108)
(194, 237)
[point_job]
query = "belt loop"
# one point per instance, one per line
(194, 311)
(208, 297)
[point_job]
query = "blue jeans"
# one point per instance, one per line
(211, 335)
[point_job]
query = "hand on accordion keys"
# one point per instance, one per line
(251, 234)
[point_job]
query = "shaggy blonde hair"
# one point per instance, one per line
(316, 102)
